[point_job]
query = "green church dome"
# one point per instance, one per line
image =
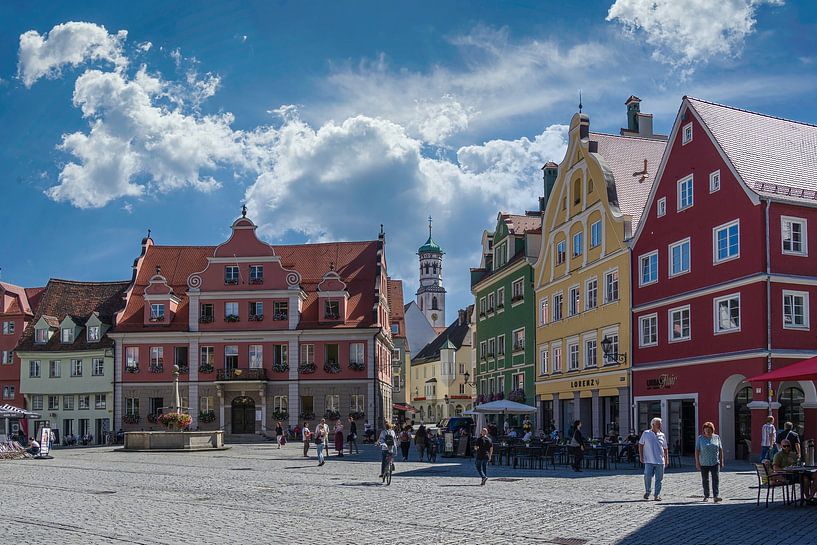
(430, 247)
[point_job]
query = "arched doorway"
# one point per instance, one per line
(743, 423)
(243, 415)
(791, 399)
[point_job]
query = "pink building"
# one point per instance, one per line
(17, 308)
(724, 273)
(260, 333)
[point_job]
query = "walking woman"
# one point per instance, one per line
(307, 436)
(339, 438)
(320, 440)
(577, 445)
(352, 437)
(709, 460)
(405, 442)
(279, 434)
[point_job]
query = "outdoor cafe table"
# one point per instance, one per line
(802, 472)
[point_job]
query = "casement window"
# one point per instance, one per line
(483, 306)
(132, 405)
(543, 359)
(331, 310)
(491, 347)
(67, 335)
(611, 358)
(590, 353)
(37, 402)
(54, 368)
(560, 252)
(98, 367)
(543, 311)
(331, 354)
(40, 335)
(573, 356)
(256, 274)
(395, 328)
(231, 357)
(206, 315)
(519, 339)
(100, 401)
(679, 257)
(93, 333)
(231, 311)
(518, 382)
(280, 310)
(231, 274)
(685, 193)
(132, 357)
(795, 309)
(557, 359)
(280, 404)
(483, 349)
(157, 312)
(595, 234)
(727, 313)
(679, 322)
(578, 244)
(648, 268)
(157, 356)
(714, 181)
(68, 402)
(256, 356)
(84, 402)
(726, 241)
(358, 403)
(307, 354)
(500, 346)
(517, 290)
(794, 236)
(155, 405)
(648, 330)
(491, 303)
(611, 286)
(8, 357)
(661, 207)
(8, 328)
(333, 402)
(686, 134)
(356, 353)
(8, 392)
(76, 368)
(207, 356)
(499, 255)
(256, 311)
(500, 299)
(557, 307)
(573, 301)
(53, 403)
(34, 369)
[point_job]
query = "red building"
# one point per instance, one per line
(17, 308)
(260, 334)
(723, 273)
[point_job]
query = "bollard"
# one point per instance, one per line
(808, 455)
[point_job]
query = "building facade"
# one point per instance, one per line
(67, 363)
(401, 357)
(17, 307)
(260, 333)
(725, 277)
(504, 301)
(582, 276)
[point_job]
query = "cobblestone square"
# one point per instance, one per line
(257, 493)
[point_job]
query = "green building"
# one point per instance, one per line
(503, 294)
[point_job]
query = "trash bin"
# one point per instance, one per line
(808, 455)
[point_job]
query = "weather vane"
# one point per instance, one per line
(243, 210)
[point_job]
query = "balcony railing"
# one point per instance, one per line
(241, 374)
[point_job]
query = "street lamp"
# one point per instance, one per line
(609, 356)
(447, 399)
(467, 380)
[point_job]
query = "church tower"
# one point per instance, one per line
(431, 294)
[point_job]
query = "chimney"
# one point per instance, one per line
(639, 124)
(549, 173)
(633, 109)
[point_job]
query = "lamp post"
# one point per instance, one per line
(609, 355)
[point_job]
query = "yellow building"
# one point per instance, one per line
(582, 276)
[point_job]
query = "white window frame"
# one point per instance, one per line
(68, 402)
(653, 278)
(357, 352)
(670, 273)
(586, 340)
(41, 335)
(54, 368)
(100, 401)
(483, 350)
(607, 297)
(670, 323)
(543, 359)
(686, 134)
(715, 231)
(556, 361)
(255, 354)
(716, 322)
(35, 369)
(570, 353)
(483, 307)
(95, 337)
(500, 346)
(132, 357)
(491, 302)
(578, 249)
(8, 327)
(611, 333)
(561, 252)
(513, 338)
(500, 299)
(641, 319)
(66, 335)
(521, 283)
(544, 310)
(492, 347)
(97, 367)
(661, 207)
(157, 311)
(587, 299)
(805, 295)
(595, 226)
(227, 313)
(558, 307)
(803, 235)
(679, 192)
(574, 300)
(76, 368)
(715, 181)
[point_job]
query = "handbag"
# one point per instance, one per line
(573, 442)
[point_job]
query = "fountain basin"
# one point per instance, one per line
(172, 441)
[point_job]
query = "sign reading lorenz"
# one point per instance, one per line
(662, 382)
(584, 383)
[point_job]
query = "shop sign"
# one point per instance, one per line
(664, 381)
(585, 383)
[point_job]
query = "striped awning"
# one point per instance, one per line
(10, 411)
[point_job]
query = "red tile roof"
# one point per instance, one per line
(775, 157)
(21, 302)
(519, 224)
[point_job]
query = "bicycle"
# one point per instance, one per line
(389, 468)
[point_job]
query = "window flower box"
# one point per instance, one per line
(207, 416)
(231, 318)
(256, 280)
(183, 368)
(516, 298)
(280, 415)
(357, 365)
(133, 369)
(280, 366)
(481, 399)
(131, 419)
(307, 368)
(256, 317)
(332, 414)
(231, 282)
(159, 368)
(306, 415)
(206, 368)
(154, 318)
(517, 395)
(332, 316)
(280, 316)
(331, 367)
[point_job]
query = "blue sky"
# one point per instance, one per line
(330, 118)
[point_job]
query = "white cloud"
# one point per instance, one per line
(684, 32)
(70, 43)
(144, 46)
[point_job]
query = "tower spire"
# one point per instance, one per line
(429, 226)
(580, 101)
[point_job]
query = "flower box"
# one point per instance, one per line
(231, 282)
(256, 280)
(517, 395)
(160, 368)
(183, 368)
(280, 316)
(307, 367)
(331, 316)
(131, 419)
(516, 298)
(357, 415)
(306, 415)
(280, 415)
(357, 365)
(153, 418)
(280, 366)
(206, 368)
(133, 369)
(232, 318)
(156, 318)
(331, 367)
(256, 317)
(207, 319)
(207, 416)
(331, 414)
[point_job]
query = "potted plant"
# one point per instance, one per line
(280, 366)
(207, 416)
(133, 369)
(306, 415)
(206, 368)
(331, 367)
(175, 421)
(331, 414)
(280, 414)
(357, 365)
(307, 367)
(231, 318)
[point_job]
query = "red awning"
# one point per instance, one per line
(802, 370)
(401, 407)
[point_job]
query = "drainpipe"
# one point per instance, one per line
(768, 308)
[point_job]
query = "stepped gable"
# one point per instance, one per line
(625, 157)
(79, 300)
(774, 157)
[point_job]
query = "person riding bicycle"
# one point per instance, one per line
(388, 447)
(431, 447)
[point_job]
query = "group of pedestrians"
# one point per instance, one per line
(321, 435)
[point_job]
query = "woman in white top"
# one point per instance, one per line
(307, 435)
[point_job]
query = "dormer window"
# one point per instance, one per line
(157, 312)
(231, 274)
(93, 333)
(41, 336)
(256, 274)
(331, 310)
(67, 335)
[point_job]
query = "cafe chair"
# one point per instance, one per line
(769, 480)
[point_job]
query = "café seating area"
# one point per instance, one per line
(513, 452)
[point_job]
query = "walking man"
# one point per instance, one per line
(653, 452)
(485, 449)
(352, 438)
(768, 437)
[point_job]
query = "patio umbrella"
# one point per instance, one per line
(504, 406)
(10, 411)
(802, 370)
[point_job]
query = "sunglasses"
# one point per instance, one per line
(786, 446)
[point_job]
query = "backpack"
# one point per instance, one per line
(405, 437)
(389, 439)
